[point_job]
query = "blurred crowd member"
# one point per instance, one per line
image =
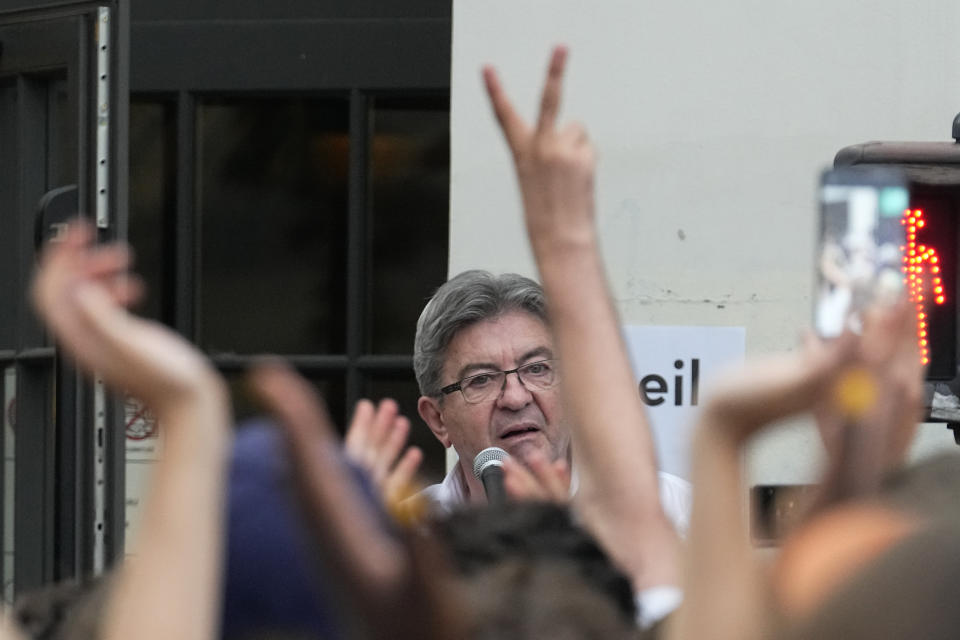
(271, 585)
(63, 611)
(171, 587)
(483, 538)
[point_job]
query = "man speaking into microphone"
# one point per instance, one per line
(484, 358)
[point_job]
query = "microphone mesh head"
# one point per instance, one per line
(490, 455)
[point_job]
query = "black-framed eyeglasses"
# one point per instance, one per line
(539, 376)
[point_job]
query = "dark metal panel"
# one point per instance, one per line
(31, 178)
(78, 89)
(314, 364)
(291, 9)
(4, 382)
(386, 363)
(49, 8)
(289, 56)
(36, 354)
(26, 47)
(9, 235)
(357, 227)
(18, 11)
(186, 260)
(33, 478)
(116, 496)
(68, 488)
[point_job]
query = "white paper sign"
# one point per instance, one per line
(673, 366)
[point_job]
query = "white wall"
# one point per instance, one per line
(712, 121)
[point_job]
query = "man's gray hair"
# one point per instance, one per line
(470, 297)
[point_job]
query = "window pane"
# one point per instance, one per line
(272, 198)
(331, 387)
(61, 136)
(410, 186)
(403, 389)
(153, 177)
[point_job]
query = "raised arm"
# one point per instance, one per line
(726, 597)
(170, 589)
(613, 448)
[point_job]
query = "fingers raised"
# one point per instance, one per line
(400, 483)
(550, 101)
(358, 436)
(512, 125)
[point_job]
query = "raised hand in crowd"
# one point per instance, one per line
(375, 442)
(618, 495)
(868, 424)
(540, 479)
(171, 588)
(726, 595)
(867, 389)
(393, 586)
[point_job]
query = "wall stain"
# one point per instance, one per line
(721, 302)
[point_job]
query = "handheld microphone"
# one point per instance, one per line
(488, 469)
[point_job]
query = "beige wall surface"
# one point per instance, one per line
(712, 121)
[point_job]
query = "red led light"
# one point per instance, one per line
(914, 256)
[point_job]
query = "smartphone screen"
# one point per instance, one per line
(860, 257)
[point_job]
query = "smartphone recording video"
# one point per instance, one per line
(860, 251)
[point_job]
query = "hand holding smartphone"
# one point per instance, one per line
(859, 260)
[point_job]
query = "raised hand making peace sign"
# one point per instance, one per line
(555, 166)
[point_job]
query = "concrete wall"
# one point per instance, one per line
(712, 121)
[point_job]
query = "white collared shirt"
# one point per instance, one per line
(676, 496)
